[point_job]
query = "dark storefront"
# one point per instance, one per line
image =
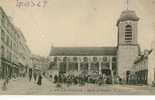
(84, 67)
(140, 77)
(8, 69)
(62, 67)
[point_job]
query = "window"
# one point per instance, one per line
(9, 56)
(55, 59)
(3, 51)
(11, 44)
(85, 59)
(7, 40)
(2, 35)
(113, 59)
(128, 33)
(94, 59)
(75, 59)
(3, 18)
(114, 66)
(65, 59)
(105, 65)
(105, 59)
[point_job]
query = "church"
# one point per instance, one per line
(110, 61)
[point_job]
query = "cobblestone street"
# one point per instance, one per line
(24, 87)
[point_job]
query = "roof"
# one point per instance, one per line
(83, 51)
(128, 15)
(143, 56)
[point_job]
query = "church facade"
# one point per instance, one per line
(84, 60)
(111, 61)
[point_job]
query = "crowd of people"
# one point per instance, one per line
(81, 79)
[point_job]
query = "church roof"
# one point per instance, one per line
(128, 15)
(83, 51)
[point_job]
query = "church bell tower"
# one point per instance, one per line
(128, 48)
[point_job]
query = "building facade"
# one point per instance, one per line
(84, 60)
(143, 71)
(14, 52)
(115, 61)
(128, 48)
(151, 65)
(39, 63)
(139, 73)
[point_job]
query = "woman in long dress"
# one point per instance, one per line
(39, 80)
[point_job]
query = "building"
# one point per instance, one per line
(143, 71)
(111, 61)
(128, 48)
(14, 52)
(139, 73)
(151, 65)
(39, 63)
(86, 60)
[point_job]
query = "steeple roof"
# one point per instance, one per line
(128, 15)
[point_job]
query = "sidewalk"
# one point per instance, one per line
(16, 86)
(22, 86)
(1, 84)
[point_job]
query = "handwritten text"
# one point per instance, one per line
(31, 3)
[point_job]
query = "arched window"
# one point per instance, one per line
(75, 59)
(128, 33)
(105, 59)
(94, 59)
(64, 59)
(85, 59)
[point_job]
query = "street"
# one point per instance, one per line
(24, 87)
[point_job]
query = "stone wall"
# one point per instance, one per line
(125, 59)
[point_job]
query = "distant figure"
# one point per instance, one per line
(35, 76)
(7, 80)
(120, 81)
(50, 77)
(39, 80)
(44, 74)
(55, 79)
(30, 74)
(4, 87)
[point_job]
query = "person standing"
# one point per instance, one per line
(39, 80)
(30, 74)
(35, 76)
(55, 79)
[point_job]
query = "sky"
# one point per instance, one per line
(78, 22)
